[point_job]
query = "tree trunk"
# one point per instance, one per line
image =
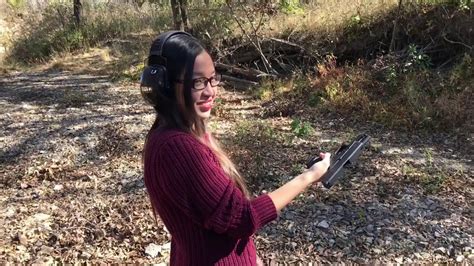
(77, 12)
(183, 5)
(393, 41)
(178, 23)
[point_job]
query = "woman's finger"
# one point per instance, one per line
(327, 156)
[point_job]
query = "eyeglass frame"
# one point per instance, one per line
(206, 82)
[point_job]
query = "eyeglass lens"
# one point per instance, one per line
(201, 83)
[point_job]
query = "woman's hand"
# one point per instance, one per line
(286, 193)
(318, 169)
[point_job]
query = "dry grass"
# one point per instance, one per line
(102, 24)
(421, 99)
(326, 17)
(349, 29)
(42, 34)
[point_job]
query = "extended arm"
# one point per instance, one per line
(286, 193)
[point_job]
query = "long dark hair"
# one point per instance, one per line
(174, 107)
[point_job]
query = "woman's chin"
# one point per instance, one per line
(204, 115)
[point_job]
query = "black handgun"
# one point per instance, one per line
(344, 156)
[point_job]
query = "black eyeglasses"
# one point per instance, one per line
(201, 83)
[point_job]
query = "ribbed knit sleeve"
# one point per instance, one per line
(199, 186)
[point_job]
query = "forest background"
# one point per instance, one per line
(300, 76)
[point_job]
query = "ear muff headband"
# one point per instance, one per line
(155, 77)
(157, 49)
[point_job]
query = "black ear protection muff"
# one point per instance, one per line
(155, 77)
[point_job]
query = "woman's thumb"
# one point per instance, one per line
(326, 156)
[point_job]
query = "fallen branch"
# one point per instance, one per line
(251, 74)
(238, 83)
(249, 56)
(255, 43)
(460, 43)
(301, 48)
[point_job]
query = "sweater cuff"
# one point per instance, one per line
(265, 210)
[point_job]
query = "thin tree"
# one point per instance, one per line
(77, 12)
(184, 15)
(395, 30)
(179, 8)
(178, 23)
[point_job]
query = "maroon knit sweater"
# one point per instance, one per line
(210, 220)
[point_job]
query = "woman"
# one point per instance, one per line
(193, 186)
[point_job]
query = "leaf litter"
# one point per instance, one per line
(72, 187)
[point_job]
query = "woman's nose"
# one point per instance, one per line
(208, 90)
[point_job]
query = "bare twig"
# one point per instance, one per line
(454, 42)
(234, 79)
(288, 43)
(445, 63)
(260, 22)
(395, 27)
(247, 73)
(255, 43)
(238, 83)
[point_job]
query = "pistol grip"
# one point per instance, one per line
(313, 161)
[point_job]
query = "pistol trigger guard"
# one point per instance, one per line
(342, 148)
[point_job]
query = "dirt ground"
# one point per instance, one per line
(71, 186)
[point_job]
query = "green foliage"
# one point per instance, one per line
(291, 7)
(404, 93)
(212, 25)
(429, 157)
(408, 170)
(217, 109)
(296, 169)
(256, 133)
(464, 4)
(431, 179)
(54, 30)
(272, 88)
(74, 98)
(264, 92)
(16, 4)
(416, 58)
(391, 76)
(301, 129)
(433, 183)
(315, 99)
(298, 84)
(461, 4)
(133, 73)
(333, 91)
(461, 72)
(354, 21)
(362, 215)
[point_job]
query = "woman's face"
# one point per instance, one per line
(203, 94)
